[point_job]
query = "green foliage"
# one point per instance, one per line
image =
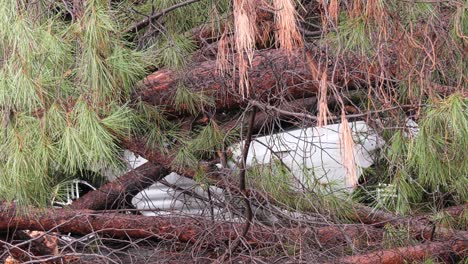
(353, 35)
(460, 23)
(210, 138)
(182, 19)
(104, 66)
(192, 102)
(204, 145)
(397, 237)
(173, 51)
(151, 122)
(185, 158)
(26, 155)
(65, 84)
(408, 191)
(63, 88)
(427, 169)
(430, 261)
(277, 180)
(437, 155)
(168, 39)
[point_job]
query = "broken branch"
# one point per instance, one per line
(121, 190)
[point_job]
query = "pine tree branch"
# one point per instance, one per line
(122, 189)
(145, 22)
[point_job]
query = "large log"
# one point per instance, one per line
(200, 231)
(419, 226)
(447, 250)
(83, 222)
(273, 73)
(120, 191)
(183, 229)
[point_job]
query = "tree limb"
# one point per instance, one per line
(121, 190)
(458, 245)
(145, 22)
(183, 229)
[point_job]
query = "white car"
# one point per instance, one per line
(309, 152)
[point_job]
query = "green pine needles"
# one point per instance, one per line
(428, 169)
(65, 85)
(63, 88)
(438, 154)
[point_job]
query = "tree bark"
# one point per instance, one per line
(200, 231)
(445, 250)
(420, 227)
(121, 191)
(183, 229)
(273, 73)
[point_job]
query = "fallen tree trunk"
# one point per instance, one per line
(274, 74)
(183, 229)
(457, 211)
(446, 250)
(420, 227)
(121, 191)
(200, 231)
(83, 222)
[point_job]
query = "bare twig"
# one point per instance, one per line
(243, 169)
(242, 185)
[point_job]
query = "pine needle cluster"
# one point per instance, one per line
(63, 88)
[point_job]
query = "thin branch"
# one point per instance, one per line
(243, 169)
(145, 22)
(242, 184)
(266, 107)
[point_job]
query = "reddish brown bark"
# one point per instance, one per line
(183, 229)
(82, 222)
(334, 235)
(120, 191)
(271, 72)
(444, 250)
(420, 227)
(40, 244)
(457, 211)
